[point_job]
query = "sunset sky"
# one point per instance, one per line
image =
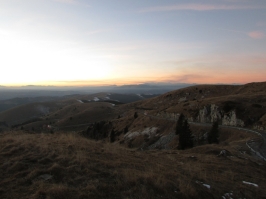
(99, 42)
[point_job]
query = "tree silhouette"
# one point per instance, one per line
(125, 129)
(135, 115)
(184, 132)
(179, 124)
(112, 136)
(213, 135)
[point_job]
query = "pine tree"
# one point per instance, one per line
(112, 136)
(188, 135)
(213, 136)
(184, 132)
(179, 124)
(135, 115)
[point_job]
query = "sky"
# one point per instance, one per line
(104, 42)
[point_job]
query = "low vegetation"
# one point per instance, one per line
(103, 149)
(61, 165)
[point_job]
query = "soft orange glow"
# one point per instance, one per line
(199, 79)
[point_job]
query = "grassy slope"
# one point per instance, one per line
(82, 168)
(249, 101)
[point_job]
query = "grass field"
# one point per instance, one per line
(55, 166)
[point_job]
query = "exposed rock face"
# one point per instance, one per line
(150, 131)
(168, 115)
(258, 127)
(213, 113)
(230, 119)
(163, 142)
(209, 114)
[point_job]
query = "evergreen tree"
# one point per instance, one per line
(125, 129)
(112, 136)
(179, 124)
(189, 137)
(213, 135)
(184, 132)
(135, 115)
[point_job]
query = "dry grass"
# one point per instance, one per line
(248, 100)
(81, 168)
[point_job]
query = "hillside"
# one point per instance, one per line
(243, 105)
(18, 111)
(95, 146)
(46, 166)
(231, 105)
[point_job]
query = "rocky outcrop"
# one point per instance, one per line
(259, 127)
(212, 113)
(150, 131)
(168, 115)
(230, 119)
(163, 142)
(98, 130)
(209, 114)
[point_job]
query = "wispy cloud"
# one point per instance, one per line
(256, 35)
(200, 7)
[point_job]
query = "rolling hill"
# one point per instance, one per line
(96, 146)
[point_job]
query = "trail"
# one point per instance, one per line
(257, 146)
(76, 125)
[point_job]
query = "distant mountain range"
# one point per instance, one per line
(59, 91)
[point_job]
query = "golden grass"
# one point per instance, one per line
(81, 168)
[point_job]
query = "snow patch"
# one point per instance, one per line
(107, 97)
(96, 99)
(249, 183)
(140, 95)
(228, 196)
(203, 184)
(206, 185)
(80, 101)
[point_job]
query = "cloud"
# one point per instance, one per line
(256, 35)
(200, 7)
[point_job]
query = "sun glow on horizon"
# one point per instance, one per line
(31, 61)
(62, 43)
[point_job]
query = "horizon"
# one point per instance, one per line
(80, 43)
(122, 85)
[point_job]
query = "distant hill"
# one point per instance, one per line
(206, 103)
(230, 105)
(56, 91)
(20, 110)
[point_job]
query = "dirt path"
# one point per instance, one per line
(258, 146)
